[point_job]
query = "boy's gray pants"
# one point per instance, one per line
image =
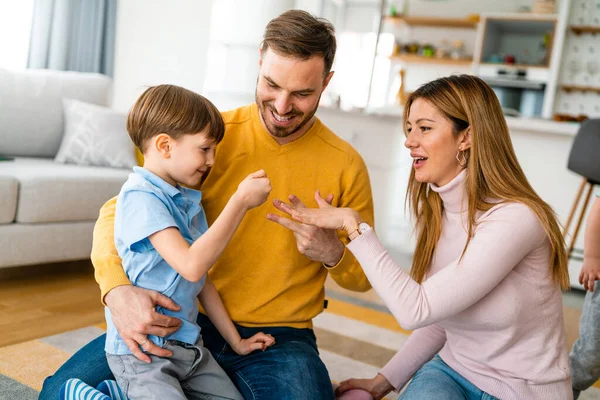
(190, 373)
(585, 354)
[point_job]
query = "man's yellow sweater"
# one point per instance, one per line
(262, 277)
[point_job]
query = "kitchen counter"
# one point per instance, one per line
(534, 125)
(539, 125)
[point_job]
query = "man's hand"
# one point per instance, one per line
(590, 272)
(134, 314)
(318, 244)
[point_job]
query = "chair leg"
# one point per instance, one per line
(574, 207)
(583, 210)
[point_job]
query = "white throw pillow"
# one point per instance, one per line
(95, 135)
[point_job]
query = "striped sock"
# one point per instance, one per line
(75, 389)
(112, 389)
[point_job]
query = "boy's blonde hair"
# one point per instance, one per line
(175, 111)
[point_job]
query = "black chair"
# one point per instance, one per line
(584, 159)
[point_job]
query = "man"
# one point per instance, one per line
(271, 276)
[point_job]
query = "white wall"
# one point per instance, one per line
(207, 46)
(236, 31)
(159, 41)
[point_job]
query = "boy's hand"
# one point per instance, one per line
(254, 190)
(260, 341)
(590, 272)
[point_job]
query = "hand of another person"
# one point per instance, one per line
(316, 243)
(377, 387)
(260, 341)
(326, 216)
(590, 272)
(134, 314)
(254, 190)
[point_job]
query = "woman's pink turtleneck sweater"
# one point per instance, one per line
(495, 317)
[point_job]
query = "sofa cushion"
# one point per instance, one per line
(95, 135)
(31, 107)
(8, 198)
(24, 244)
(53, 192)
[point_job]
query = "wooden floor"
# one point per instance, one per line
(44, 300)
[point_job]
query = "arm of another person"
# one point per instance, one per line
(133, 309)
(193, 262)
(590, 271)
(356, 195)
(213, 305)
(420, 347)
(108, 269)
(505, 236)
(500, 242)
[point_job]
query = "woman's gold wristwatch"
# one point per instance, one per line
(360, 229)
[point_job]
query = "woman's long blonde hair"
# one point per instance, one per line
(493, 171)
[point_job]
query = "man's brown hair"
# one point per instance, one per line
(175, 111)
(298, 34)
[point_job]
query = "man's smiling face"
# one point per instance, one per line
(288, 91)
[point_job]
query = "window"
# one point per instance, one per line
(356, 25)
(15, 29)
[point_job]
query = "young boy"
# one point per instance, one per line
(585, 354)
(162, 236)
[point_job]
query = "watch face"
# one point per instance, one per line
(363, 226)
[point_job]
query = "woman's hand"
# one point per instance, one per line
(377, 387)
(326, 217)
(260, 341)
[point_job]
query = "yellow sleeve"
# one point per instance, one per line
(108, 268)
(356, 195)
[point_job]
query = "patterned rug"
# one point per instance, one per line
(355, 340)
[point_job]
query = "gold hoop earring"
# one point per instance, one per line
(464, 159)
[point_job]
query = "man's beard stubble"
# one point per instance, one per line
(282, 132)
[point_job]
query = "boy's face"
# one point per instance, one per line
(190, 158)
(288, 92)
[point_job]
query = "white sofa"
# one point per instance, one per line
(47, 209)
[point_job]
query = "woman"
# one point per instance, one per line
(484, 291)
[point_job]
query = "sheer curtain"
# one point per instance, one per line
(73, 35)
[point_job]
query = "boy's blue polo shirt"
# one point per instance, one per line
(146, 205)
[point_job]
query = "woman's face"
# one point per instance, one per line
(432, 144)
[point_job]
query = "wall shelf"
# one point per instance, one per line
(576, 88)
(579, 29)
(416, 59)
(434, 22)
(514, 66)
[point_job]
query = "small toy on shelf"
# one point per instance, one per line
(458, 49)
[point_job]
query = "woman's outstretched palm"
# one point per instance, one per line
(326, 216)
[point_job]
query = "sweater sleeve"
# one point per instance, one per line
(502, 239)
(108, 268)
(357, 195)
(420, 347)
